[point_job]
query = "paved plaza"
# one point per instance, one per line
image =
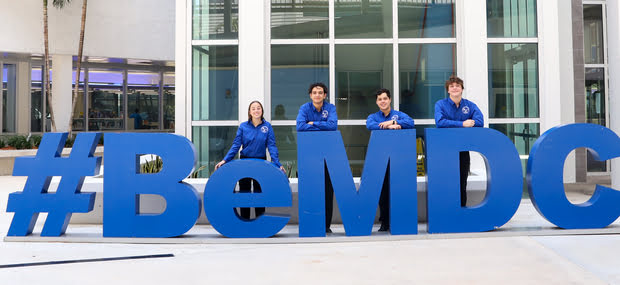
(528, 250)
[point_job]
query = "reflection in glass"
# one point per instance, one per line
(363, 19)
(215, 19)
(143, 100)
(293, 69)
(286, 141)
(511, 18)
(424, 69)
(595, 109)
(593, 34)
(212, 144)
(355, 143)
(522, 135)
(357, 80)
(36, 99)
(215, 83)
(105, 104)
(9, 97)
(513, 81)
(426, 19)
(298, 19)
(169, 102)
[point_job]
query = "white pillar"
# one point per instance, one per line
(182, 96)
(613, 48)
(253, 45)
(555, 65)
(23, 98)
(62, 78)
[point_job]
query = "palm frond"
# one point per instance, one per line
(60, 3)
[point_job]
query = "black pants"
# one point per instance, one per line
(245, 186)
(384, 201)
(464, 169)
(329, 200)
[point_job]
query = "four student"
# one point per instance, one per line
(256, 135)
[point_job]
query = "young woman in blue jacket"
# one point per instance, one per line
(255, 135)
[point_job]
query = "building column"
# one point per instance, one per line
(579, 83)
(23, 98)
(613, 49)
(62, 81)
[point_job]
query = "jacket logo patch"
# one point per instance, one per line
(395, 117)
(465, 110)
(325, 113)
(264, 129)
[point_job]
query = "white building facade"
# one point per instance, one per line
(517, 58)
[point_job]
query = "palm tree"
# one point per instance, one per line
(79, 62)
(47, 64)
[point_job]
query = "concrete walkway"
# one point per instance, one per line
(515, 259)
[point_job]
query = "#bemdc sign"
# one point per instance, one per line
(319, 154)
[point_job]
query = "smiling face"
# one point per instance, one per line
(455, 90)
(383, 102)
(317, 95)
(255, 111)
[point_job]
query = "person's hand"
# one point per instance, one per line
(219, 164)
(311, 123)
(283, 170)
(386, 124)
(395, 127)
(469, 123)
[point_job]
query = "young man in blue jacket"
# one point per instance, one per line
(318, 115)
(457, 112)
(387, 119)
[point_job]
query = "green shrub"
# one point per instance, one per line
(152, 166)
(2, 143)
(36, 140)
(69, 142)
(19, 142)
(101, 140)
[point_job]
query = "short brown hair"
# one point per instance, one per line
(454, 79)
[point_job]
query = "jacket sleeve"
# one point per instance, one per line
(405, 121)
(332, 121)
(234, 149)
(442, 121)
(477, 117)
(371, 123)
(271, 146)
(302, 122)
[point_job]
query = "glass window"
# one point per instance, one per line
(513, 81)
(169, 102)
(215, 19)
(293, 69)
(522, 135)
(511, 18)
(357, 80)
(595, 110)
(215, 83)
(106, 105)
(355, 144)
(286, 141)
(593, 34)
(9, 97)
(143, 100)
(212, 144)
(424, 69)
(36, 100)
(363, 19)
(426, 19)
(298, 19)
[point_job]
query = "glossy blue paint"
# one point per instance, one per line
(546, 183)
(504, 180)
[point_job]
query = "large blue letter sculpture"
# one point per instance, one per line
(123, 184)
(323, 153)
(68, 198)
(545, 176)
(220, 199)
(504, 180)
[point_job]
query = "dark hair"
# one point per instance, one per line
(381, 91)
(261, 107)
(317, 84)
(454, 79)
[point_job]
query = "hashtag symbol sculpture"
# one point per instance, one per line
(67, 199)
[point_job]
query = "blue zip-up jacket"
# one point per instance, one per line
(447, 115)
(255, 140)
(373, 121)
(325, 119)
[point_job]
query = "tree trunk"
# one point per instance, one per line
(48, 90)
(79, 63)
